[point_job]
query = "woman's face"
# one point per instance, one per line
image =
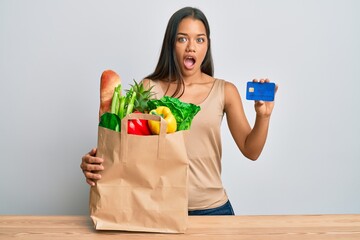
(191, 45)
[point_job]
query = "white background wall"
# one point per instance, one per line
(53, 52)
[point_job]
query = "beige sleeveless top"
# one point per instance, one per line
(203, 144)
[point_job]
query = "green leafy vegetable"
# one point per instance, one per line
(183, 112)
(110, 121)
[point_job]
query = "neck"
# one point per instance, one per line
(195, 78)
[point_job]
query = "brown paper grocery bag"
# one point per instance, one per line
(144, 184)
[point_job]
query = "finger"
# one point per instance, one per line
(94, 160)
(93, 152)
(255, 80)
(91, 159)
(259, 103)
(91, 183)
(92, 167)
(92, 176)
(262, 80)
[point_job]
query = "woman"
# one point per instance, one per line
(185, 71)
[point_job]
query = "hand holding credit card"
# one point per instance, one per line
(260, 91)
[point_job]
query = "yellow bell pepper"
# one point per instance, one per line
(165, 113)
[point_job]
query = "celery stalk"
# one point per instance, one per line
(114, 102)
(121, 107)
(115, 99)
(130, 106)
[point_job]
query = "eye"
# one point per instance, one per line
(200, 40)
(182, 39)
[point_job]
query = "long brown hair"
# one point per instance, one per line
(167, 68)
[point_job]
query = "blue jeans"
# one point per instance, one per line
(225, 209)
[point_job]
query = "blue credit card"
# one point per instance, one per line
(260, 91)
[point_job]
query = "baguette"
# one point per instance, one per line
(109, 80)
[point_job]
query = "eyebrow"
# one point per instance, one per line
(185, 34)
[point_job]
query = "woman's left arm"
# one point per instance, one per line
(249, 140)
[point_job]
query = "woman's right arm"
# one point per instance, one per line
(90, 166)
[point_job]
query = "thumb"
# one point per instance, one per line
(93, 151)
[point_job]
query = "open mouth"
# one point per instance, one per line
(189, 62)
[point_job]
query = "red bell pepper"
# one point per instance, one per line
(138, 127)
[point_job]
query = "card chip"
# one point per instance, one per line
(251, 89)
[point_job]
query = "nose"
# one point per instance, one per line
(190, 47)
